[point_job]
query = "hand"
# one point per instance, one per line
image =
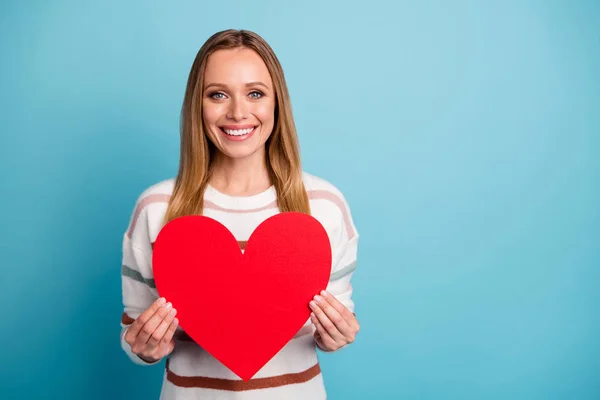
(336, 325)
(151, 334)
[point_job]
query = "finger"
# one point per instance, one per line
(156, 337)
(153, 323)
(334, 315)
(327, 324)
(321, 335)
(171, 331)
(339, 306)
(170, 348)
(319, 341)
(167, 343)
(348, 315)
(139, 322)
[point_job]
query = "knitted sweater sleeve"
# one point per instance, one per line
(345, 253)
(138, 287)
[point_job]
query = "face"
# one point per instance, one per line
(238, 102)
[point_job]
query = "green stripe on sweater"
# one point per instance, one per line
(343, 272)
(136, 276)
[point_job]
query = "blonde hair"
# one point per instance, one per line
(197, 151)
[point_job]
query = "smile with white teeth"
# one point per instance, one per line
(239, 132)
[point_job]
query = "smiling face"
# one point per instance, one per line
(238, 103)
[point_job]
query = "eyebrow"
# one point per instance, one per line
(247, 85)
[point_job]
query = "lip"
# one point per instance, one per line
(238, 138)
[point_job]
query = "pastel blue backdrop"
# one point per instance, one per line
(465, 136)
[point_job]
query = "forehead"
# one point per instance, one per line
(236, 67)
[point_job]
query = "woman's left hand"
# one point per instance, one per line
(336, 325)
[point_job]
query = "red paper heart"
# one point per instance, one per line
(242, 307)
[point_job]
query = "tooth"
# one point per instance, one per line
(238, 132)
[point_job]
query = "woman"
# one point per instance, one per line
(240, 164)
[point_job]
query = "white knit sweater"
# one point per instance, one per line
(191, 372)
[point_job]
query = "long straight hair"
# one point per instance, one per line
(197, 151)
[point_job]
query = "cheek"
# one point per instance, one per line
(210, 113)
(265, 112)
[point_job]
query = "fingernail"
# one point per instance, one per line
(173, 312)
(318, 298)
(175, 321)
(313, 304)
(162, 300)
(168, 306)
(323, 293)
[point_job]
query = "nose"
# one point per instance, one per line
(238, 109)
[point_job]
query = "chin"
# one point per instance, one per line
(240, 153)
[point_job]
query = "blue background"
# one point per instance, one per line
(465, 136)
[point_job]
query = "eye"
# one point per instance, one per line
(212, 95)
(260, 94)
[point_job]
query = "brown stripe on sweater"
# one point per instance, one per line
(312, 194)
(126, 319)
(239, 385)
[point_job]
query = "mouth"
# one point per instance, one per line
(238, 134)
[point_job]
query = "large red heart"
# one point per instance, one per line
(242, 307)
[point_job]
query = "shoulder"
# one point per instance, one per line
(149, 209)
(314, 183)
(319, 188)
(156, 194)
(328, 204)
(157, 190)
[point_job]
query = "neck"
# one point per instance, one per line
(240, 177)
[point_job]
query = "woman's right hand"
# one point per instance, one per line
(151, 334)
